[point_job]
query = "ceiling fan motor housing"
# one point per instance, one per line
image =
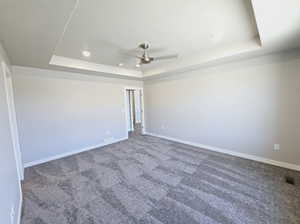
(146, 59)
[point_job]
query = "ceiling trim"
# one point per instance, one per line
(89, 66)
(66, 25)
(229, 52)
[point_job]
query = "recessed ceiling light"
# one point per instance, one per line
(120, 64)
(137, 65)
(86, 53)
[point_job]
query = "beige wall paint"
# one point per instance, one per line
(246, 107)
(61, 112)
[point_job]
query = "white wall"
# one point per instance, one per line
(246, 107)
(60, 112)
(10, 195)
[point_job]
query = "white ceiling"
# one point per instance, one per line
(278, 22)
(36, 33)
(111, 28)
(29, 30)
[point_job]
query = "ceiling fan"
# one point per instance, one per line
(147, 59)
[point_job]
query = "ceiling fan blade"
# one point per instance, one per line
(131, 55)
(137, 50)
(171, 56)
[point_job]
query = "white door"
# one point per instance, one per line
(12, 118)
(138, 106)
(129, 108)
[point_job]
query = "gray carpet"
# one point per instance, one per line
(151, 180)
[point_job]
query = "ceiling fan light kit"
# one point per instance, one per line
(86, 53)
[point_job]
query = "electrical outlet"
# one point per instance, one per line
(276, 147)
(12, 215)
(163, 127)
(109, 140)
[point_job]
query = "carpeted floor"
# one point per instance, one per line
(151, 180)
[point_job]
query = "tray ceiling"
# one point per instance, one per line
(53, 34)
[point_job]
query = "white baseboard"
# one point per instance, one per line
(37, 162)
(20, 209)
(233, 153)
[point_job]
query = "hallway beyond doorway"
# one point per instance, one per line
(134, 110)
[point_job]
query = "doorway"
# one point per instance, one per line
(12, 118)
(134, 111)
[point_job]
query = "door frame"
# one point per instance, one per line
(8, 85)
(126, 107)
(130, 111)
